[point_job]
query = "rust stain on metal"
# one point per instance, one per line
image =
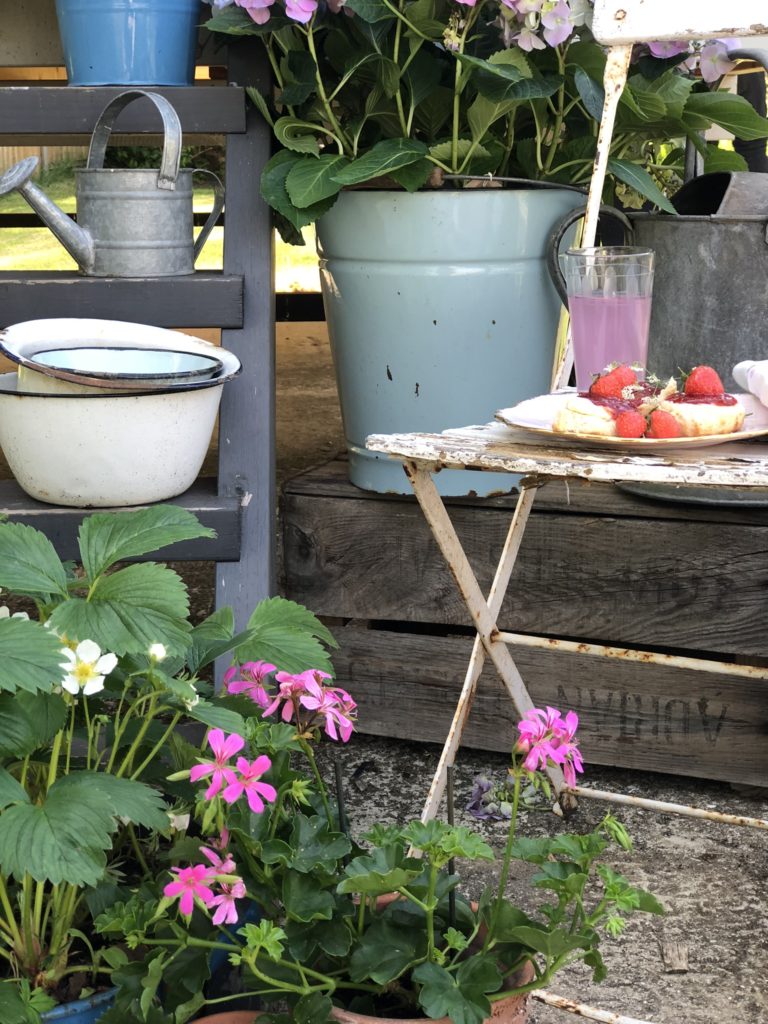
(620, 15)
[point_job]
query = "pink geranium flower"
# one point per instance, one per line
(225, 901)
(291, 688)
(333, 703)
(248, 781)
(223, 747)
(190, 884)
(221, 865)
(547, 737)
(249, 679)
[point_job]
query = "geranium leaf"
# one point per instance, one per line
(381, 159)
(11, 790)
(384, 870)
(303, 900)
(311, 178)
(385, 952)
(316, 847)
(314, 1009)
(129, 610)
(29, 563)
(106, 538)
(640, 180)
(30, 656)
(441, 996)
(27, 721)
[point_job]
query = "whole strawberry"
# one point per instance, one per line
(607, 385)
(663, 424)
(624, 374)
(630, 423)
(703, 381)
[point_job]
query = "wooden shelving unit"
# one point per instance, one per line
(240, 505)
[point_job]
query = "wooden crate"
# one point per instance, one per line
(596, 565)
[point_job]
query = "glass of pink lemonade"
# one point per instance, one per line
(609, 300)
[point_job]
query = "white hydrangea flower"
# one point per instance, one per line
(86, 668)
(157, 652)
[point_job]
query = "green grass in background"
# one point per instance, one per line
(37, 248)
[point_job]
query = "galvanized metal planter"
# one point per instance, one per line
(439, 312)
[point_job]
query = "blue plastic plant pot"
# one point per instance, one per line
(129, 42)
(82, 1011)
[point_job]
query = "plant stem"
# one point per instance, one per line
(148, 718)
(10, 920)
(137, 850)
(319, 780)
(343, 140)
(157, 747)
(471, 14)
(555, 141)
(396, 59)
(506, 862)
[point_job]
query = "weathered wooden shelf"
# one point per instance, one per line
(202, 299)
(61, 524)
(597, 565)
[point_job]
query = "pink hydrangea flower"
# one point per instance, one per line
(467, 3)
(669, 47)
(248, 781)
(223, 747)
(257, 10)
(300, 10)
(528, 40)
(190, 884)
(249, 679)
(225, 901)
(713, 60)
(557, 23)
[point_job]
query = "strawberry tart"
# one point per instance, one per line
(619, 405)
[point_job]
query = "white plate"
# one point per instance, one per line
(537, 416)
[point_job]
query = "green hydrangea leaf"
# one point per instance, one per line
(30, 656)
(734, 113)
(129, 610)
(370, 10)
(109, 537)
(311, 179)
(640, 180)
(29, 563)
(382, 159)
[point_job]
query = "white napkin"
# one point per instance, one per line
(752, 375)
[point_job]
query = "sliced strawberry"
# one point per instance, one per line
(630, 423)
(703, 380)
(663, 424)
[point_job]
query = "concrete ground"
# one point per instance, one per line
(706, 961)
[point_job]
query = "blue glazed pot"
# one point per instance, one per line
(129, 42)
(440, 311)
(82, 1011)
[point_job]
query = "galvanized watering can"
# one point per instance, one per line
(130, 222)
(710, 289)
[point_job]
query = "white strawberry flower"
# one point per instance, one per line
(86, 668)
(157, 652)
(5, 613)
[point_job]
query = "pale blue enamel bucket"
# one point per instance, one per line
(82, 1011)
(129, 42)
(440, 311)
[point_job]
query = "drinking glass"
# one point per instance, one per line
(609, 300)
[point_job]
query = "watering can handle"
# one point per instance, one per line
(213, 216)
(169, 164)
(559, 233)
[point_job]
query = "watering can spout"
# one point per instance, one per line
(75, 239)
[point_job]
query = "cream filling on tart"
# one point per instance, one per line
(697, 419)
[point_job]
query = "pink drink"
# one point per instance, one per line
(608, 329)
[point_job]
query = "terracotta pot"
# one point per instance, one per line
(512, 1010)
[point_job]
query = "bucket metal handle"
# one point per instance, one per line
(213, 216)
(169, 164)
(559, 233)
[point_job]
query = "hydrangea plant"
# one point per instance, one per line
(408, 93)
